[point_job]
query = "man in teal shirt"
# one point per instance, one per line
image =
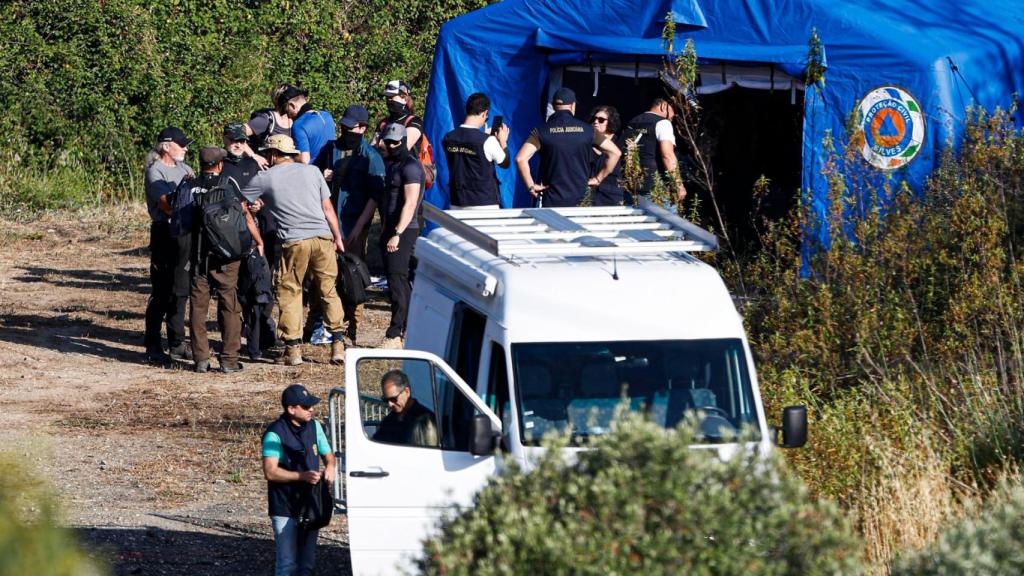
(293, 447)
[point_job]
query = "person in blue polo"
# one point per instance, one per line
(293, 447)
(566, 146)
(312, 130)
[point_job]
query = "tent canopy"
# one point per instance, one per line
(910, 70)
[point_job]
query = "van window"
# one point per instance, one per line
(497, 387)
(467, 341)
(431, 412)
(577, 386)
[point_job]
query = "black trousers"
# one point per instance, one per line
(258, 324)
(398, 267)
(168, 275)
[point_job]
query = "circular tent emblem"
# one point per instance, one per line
(892, 126)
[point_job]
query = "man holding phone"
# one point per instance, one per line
(472, 154)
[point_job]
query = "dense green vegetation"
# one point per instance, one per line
(91, 82)
(643, 502)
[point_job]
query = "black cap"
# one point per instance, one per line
(564, 96)
(235, 132)
(297, 395)
(288, 94)
(211, 156)
(355, 115)
(172, 134)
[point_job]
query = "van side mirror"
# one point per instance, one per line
(485, 439)
(794, 426)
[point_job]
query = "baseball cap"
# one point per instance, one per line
(281, 143)
(288, 94)
(211, 156)
(393, 132)
(235, 132)
(564, 96)
(394, 88)
(297, 395)
(173, 134)
(355, 115)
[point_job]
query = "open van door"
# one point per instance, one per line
(399, 484)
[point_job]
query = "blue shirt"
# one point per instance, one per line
(312, 131)
(358, 176)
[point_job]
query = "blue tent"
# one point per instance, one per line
(904, 72)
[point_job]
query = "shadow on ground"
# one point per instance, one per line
(152, 551)
(124, 280)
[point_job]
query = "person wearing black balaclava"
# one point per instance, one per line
(356, 176)
(400, 111)
(400, 203)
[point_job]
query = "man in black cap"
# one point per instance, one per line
(472, 155)
(208, 268)
(356, 176)
(293, 447)
(565, 146)
(167, 256)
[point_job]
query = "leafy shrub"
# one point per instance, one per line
(91, 82)
(644, 502)
(31, 542)
(989, 544)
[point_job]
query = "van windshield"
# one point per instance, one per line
(577, 386)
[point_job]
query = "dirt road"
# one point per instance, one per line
(157, 468)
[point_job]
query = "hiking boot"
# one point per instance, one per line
(202, 366)
(157, 356)
(235, 366)
(395, 343)
(337, 352)
(292, 355)
(180, 352)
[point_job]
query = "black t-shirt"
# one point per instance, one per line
(396, 175)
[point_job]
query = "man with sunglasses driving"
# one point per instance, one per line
(409, 423)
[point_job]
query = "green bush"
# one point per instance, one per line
(31, 542)
(644, 502)
(989, 544)
(91, 82)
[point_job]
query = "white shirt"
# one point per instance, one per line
(663, 131)
(492, 148)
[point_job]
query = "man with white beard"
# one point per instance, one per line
(167, 256)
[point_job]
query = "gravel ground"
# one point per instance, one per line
(157, 469)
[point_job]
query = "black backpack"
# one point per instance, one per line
(353, 279)
(223, 222)
(317, 507)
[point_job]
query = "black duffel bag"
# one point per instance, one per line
(353, 279)
(318, 507)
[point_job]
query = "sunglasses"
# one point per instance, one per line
(599, 120)
(392, 399)
(307, 408)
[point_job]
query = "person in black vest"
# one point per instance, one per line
(565, 146)
(293, 447)
(605, 119)
(258, 324)
(656, 146)
(400, 203)
(472, 154)
(207, 269)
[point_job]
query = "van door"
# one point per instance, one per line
(406, 470)
(430, 318)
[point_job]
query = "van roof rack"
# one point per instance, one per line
(593, 231)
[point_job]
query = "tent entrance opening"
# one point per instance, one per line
(751, 125)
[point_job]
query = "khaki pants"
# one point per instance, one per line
(229, 312)
(317, 256)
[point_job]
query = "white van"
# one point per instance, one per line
(528, 321)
